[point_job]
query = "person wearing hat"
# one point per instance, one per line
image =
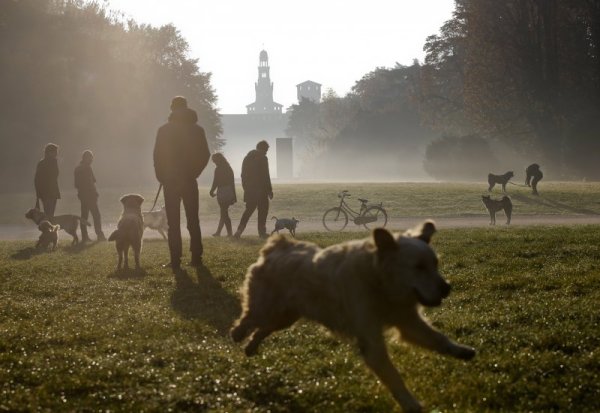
(46, 180)
(180, 155)
(256, 182)
(85, 182)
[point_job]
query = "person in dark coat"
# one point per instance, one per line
(180, 155)
(224, 184)
(46, 180)
(533, 176)
(85, 182)
(256, 182)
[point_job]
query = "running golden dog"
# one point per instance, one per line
(357, 289)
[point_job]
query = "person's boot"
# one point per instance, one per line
(173, 266)
(196, 261)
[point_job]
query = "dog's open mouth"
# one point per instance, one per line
(428, 302)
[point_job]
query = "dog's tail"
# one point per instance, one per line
(274, 217)
(114, 236)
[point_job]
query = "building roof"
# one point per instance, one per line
(308, 82)
(263, 55)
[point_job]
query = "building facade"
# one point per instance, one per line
(309, 90)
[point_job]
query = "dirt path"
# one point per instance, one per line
(30, 232)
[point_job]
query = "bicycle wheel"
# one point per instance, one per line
(380, 216)
(335, 219)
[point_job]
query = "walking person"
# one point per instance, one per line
(223, 183)
(46, 180)
(180, 155)
(533, 176)
(85, 182)
(256, 182)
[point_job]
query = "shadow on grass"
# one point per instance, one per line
(205, 300)
(549, 203)
(26, 253)
(79, 247)
(128, 274)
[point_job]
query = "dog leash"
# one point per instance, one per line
(512, 183)
(156, 198)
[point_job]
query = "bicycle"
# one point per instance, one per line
(370, 216)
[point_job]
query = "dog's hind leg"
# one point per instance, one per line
(162, 233)
(376, 357)
(120, 254)
(281, 322)
(136, 255)
(244, 327)
(508, 212)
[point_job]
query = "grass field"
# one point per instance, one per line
(75, 336)
(309, 201)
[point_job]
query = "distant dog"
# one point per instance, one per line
(68, 223)
(130, 229)
(358, 289)
(157, 220)
(48, 236)
(499, 179)
(494, 205)
(285, 223)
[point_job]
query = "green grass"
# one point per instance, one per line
(73, 336)
(309, 201)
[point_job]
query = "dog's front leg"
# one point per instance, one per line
(126, 257)
(376, 357)
(419, 332)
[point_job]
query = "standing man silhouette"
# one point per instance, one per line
(256, 182)
(46, 180)
(180, 155)
(85, 182)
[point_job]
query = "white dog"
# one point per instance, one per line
(157, 220)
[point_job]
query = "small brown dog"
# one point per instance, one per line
(130, 229)
(358, 289)
(48, 236)
(494, 205)
(69, 223)
(157, 220)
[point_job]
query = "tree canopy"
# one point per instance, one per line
(78, 75)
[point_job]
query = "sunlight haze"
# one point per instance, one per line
(333, 43)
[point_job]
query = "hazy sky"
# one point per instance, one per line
(332, 42)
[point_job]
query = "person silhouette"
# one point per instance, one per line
(180, 155)
(224, 184)
(46, 180)
(256, 182)
(85, 182)
(533, 176)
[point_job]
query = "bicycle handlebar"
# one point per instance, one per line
(344, 194)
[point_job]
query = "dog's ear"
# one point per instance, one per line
(384, 241)
(424, 232)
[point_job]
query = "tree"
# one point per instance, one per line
(76, 74)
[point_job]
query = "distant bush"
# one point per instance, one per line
(459, 158)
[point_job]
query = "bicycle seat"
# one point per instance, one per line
(364, 201)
